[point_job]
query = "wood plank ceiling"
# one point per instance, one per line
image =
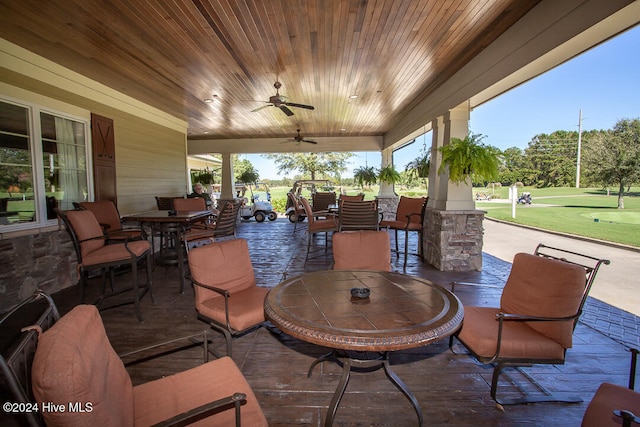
(174, 54)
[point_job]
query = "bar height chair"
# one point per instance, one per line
(409, 217)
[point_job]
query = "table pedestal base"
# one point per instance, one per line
(347, 363)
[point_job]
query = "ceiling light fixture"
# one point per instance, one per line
(353, 96)
(208, 100)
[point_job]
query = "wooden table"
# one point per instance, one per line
(173, 223)
(401, 312)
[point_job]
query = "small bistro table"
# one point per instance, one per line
(401, 312)
(173, 223)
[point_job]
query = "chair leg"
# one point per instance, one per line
(397, 250)
(136, 290)
(149, 261)
(406, 247)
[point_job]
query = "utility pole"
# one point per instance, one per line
(579, 148)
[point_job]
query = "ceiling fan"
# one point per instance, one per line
(299, 138)
(280, 102)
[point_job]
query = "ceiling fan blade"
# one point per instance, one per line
(293, 104)
(309, 141)
(261, 108)
(286, 110)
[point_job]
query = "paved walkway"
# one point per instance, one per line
(614, 305)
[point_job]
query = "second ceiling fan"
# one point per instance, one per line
(299, 138)
(279, 101)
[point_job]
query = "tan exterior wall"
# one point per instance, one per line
(151, 160)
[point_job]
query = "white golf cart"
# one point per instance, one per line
(255, 207)
(305, 188)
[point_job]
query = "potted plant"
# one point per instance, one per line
(468, 157)
(389, 175)
(365, 175)
(419, 167)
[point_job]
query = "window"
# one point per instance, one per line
(31, 188)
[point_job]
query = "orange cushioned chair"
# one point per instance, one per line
(74, 362)
(408, 217)
(94, 254)
(361, 250)
(539, 309)
(317, 225)
(227, 296)
(108, 216)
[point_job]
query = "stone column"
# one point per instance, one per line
(387, 198)
(228, 181)
(452, 226)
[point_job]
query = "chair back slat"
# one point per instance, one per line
(358, 215)
(164, 203)
(190, 204)
(322, 200)
(227, 220)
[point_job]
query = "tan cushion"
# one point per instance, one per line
(163, 398)
(86, 226)
(75, 362)
(115, 252)
(545, 287)
(225, 265)
(246, 308)
(105, 212)
(361, 250)
(479, 333)
(608, 398)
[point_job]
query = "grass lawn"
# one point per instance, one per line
(585, 212)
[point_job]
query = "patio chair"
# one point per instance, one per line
(409, 217)
(165, 203)
(317, 225)
(93, 253)
(361, 250)
(108, 216)
(540, 305)
(75, 364)
(20, 327)
(226, 294)
(358, 215)
(614, 405)
(322, 200)
(298, 214)
(356, 197)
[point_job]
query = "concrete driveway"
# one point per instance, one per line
(617, 284)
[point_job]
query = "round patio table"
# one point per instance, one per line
(401, 312)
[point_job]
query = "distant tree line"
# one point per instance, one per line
(609, 158)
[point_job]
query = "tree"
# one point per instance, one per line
(312, 164)
(614, 158)
(365, 175)
(514, 167)
(552, 159)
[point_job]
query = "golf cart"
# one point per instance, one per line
(305, 188)
(255, 207)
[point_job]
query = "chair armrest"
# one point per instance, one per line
(480, 285)
(527, 318)
(144, 350)
(195, 414)
(628, 417)
(220, 291)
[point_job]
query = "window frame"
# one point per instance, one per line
(35, 146)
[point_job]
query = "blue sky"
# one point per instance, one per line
(603, 83)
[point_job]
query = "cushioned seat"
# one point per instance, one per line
(539, 308)
(361, 250)
(409, 217)
(226, 294)
(74, 362)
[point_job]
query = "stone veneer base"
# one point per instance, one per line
(453, 239)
